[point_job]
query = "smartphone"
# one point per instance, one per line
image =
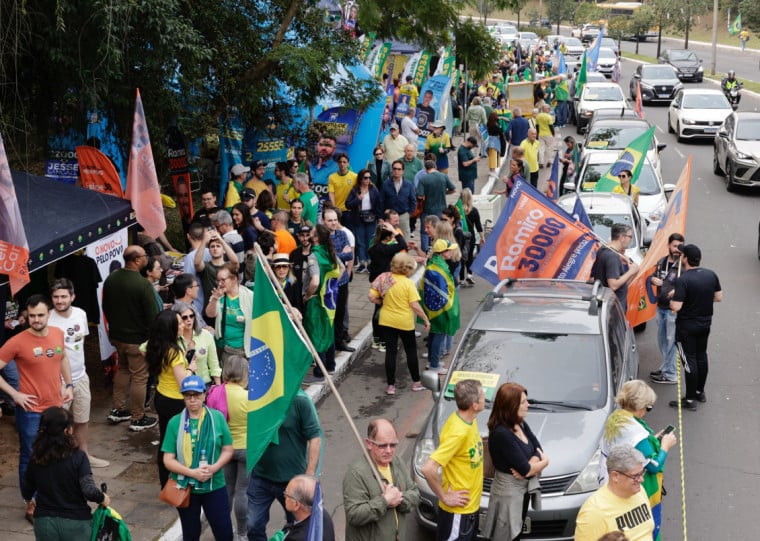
(668, 430)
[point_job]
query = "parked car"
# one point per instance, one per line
(574, 48)
(611, 44)
(597, 96)
(652, 190)
(586, 33)
(569, 344)
(617, 133)
(736, 151)
(606, 209)
(544, 22)
(697, 112)
(605, 63)
(605, 113)
(685, 62)
(659, 82)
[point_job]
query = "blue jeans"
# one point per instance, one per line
(216, 507)
(10, 375)
(448, 343)
(435, 345)
(666, 339)
(261, 494)
(469, 184)
(27, 424)
(364, 233)
(562, 113)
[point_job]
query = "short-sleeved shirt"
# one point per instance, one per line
(234, 327)
(223, 437)
(74, 330)
(605, 512)
(257, 186)
(310, 207)
(543, 124)
(167, 381)
(283, 190)
(434, 186)
(286, 243)
(531, 153)
(633, 193)
(460, 455)
(341, 186)
(38, 359)
(696, 289)
(237, 410)
(609, 265)
(396, 311)
(281, 461)
(466, 172)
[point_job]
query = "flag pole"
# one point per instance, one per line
(299, 325)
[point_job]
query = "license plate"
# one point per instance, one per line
(711, 130)
(664, 95)
(526, 526)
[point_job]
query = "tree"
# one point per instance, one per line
(639, 24)
(477, 53)
(588, 13)
(750, 10)
(682, 16)
(559, 10)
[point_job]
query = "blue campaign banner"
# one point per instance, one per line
(101, 133)
(535, 238)
(62, 164)
(434, 104)
(268, 148)
(231, 133)
(341, 122)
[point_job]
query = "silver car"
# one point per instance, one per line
(737, 150)
(570, 345)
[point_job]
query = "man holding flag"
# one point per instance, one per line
(664, 278)
(612, 267)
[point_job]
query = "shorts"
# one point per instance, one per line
(80, 406)
(456, 527)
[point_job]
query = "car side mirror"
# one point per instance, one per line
(669, 187)
(723, 133)
(636, 76)
(431, 380)
(661, 147)
(569, 186)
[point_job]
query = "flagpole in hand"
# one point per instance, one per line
(299, 325)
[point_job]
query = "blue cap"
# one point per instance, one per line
(192, 384)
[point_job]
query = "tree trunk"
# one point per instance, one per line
(659, 37)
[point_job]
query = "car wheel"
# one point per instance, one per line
(716, 165)
(758, 241)
(730, 184)
(579, 128)
(640, 327)
(670, 127)
(678, 132)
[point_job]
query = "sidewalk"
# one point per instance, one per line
(132, 476)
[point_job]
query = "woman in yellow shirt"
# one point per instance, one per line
(626, 188)
(439, 144)
(400, 301)
(166, 361)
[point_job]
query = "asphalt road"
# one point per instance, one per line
(720, 441)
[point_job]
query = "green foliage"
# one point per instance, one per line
(588, 13)
(618, 28)
(476, 51)
(642, 20)
(750, 10)
(559, 10)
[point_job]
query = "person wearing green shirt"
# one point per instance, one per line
(308, 197)
(562, 95)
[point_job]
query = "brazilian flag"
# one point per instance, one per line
(279, 360)
(736, 26)
(439, 297)
(460, 208)
(320, 309)
(582, 76)
(632, 157)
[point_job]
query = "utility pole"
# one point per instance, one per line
(714, 60)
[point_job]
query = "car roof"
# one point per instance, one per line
(599, 202)
(542, 306)
(621, 122)
(687, 91)
(607, 50)
(601, 85)
(615, 112)
(607, 157)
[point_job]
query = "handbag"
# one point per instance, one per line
(417, 212)
(367, 216)
(174, 495)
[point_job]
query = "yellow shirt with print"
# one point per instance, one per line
(285, 189)
(256, 185)
(460, 455)
(237, 409)
(396, 311)
(167, 382)
(543, 124)
(634, 191)
(341, 186)
(531, 153)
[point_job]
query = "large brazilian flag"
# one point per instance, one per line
(279, 360)
(439, 297)
(632, 157)
(320, 309)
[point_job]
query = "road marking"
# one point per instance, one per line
(680, 154)
(659, 129)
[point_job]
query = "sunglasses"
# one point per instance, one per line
(367, 177)
(384, 446)
(282, 266)
(187, 317)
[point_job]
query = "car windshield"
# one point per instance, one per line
(528, 35)
(603, 93)
(657, 72)
(748, 130)
(683, 55)
(647, 181)
(705, 101)
(602, 224)
(572, 42)
(614, 138)
(574, 361)
(604, 52)
(609, 42)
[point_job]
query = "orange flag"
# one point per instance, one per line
(142, 182)
(98, 172)
(642, 297)
(14, 249)
(639, 107)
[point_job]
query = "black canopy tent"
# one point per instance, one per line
(60, 218)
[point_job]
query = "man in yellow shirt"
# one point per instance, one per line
(460, 457)
(257, 183)
(340, 183)
(410, 89)
(545, 127)
(284, 190)
(530, 146)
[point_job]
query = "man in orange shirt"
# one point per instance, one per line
(286, 243)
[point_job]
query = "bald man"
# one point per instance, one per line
(299, 500)
(374, 513)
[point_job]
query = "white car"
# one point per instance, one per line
(697, 112)
(615, 133)
(604, 210)
(605, 64)
(652, 200)
(598, 96)
(573, 48)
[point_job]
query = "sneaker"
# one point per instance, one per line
(701, 397)
(656, 373)
(375, 344)
(686, 403)
(361, 269)
(313, 379)
(417, 334)
(98, 462)
(425, 355)
(470, 281)
(391, 390)
(417, 386)
(411, 236)
(659, 378)
(119, 416)
(443, 371)
(381, 348)
(143, 424)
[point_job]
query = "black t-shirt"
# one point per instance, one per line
(204, 216)
(609, 265)
(667, 271)
(508, 451)
(696, 289)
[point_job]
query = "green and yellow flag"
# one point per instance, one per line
(632, 157)
(320, 309)
(439, 297)
(460, 208)
(280, 359)
(581, 76)
(736, 26)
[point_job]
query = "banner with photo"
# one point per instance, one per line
(178, 167)
(434, 104)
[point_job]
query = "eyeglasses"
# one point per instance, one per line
(192, 396)
(367, 177)
(290, 496)
(188, 317)
(384, 446)
(638, 477)
(649, 407)
(192, 286)
(285, 266)
(222, 279)
(378, 153)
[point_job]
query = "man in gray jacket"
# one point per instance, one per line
(374, 513)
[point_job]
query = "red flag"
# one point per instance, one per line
(642, 299)
(14, 249)
(639, 106)
(142, 182)
(98, 172)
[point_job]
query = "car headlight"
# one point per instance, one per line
(700, 69)
(743, 156)
(656, 214)
(688, 121)
(422, 452)
(587, 113)
(588, 479)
